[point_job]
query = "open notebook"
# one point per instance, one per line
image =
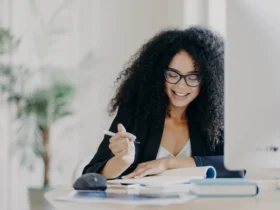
(169, 177)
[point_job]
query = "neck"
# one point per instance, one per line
(177, 113)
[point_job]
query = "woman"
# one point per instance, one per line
(171, 100)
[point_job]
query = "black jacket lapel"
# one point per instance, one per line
(154, 138)
(197, 142)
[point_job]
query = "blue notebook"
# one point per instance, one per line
(230, 187)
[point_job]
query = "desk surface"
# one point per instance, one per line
(268, 198)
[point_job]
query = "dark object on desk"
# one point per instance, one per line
(90, 181)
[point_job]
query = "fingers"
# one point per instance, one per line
(137, 172)
(146, 172)
(118, 146)
(126, 156)
(118, 142)
(122, 134)
(122, 153)
(121, 128)
(127, 135)
(122, 145)
(140, 173)
(118, 149)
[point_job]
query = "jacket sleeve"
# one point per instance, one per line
(217, 161)
(104, 154)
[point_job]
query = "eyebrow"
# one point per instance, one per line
(189, 72)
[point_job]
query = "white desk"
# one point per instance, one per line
(268, 199)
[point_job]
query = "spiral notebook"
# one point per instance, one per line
(170, 177)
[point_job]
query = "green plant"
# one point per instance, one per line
(37, 113)
(7, 41)
(8, 44)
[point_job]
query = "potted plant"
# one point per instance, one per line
(41, 110)
(33, 112)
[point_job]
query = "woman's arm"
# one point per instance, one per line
(104, 162)
(115, 167)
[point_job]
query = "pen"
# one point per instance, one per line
(109, 133)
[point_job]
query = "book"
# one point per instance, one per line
(230, 187)
(171, 177)
(124, 198)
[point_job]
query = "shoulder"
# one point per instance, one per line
(124, 112)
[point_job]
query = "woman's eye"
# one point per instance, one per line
(193, 77)
(172, 74)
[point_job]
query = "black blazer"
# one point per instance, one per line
(149, 135)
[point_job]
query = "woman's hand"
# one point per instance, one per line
(122, 145)
(149, 168)
(158, 166)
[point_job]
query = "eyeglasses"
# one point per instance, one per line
(173, 77)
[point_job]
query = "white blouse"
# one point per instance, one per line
(185, 152)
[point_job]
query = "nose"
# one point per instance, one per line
(182, 84)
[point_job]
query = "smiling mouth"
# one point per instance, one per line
(180, 94)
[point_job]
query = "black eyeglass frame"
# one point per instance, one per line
(183, 76)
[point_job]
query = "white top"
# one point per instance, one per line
(185, 152)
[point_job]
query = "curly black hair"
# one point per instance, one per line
(142, 81)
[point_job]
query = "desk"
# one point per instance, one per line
(268, 199)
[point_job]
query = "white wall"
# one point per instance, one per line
(211, 13)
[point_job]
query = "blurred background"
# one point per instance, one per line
(58, 63)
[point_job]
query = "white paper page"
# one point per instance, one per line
(123, 198)
(156, 181)
(189, 172)
(169, 177)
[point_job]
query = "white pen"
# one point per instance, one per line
(109, 133)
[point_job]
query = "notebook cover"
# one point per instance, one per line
(226, 182)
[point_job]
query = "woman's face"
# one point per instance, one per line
(179, 93)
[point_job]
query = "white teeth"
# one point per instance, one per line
(180, 94)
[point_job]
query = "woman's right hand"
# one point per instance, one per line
(122, 145)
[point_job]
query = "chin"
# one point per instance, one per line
(179, 105)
